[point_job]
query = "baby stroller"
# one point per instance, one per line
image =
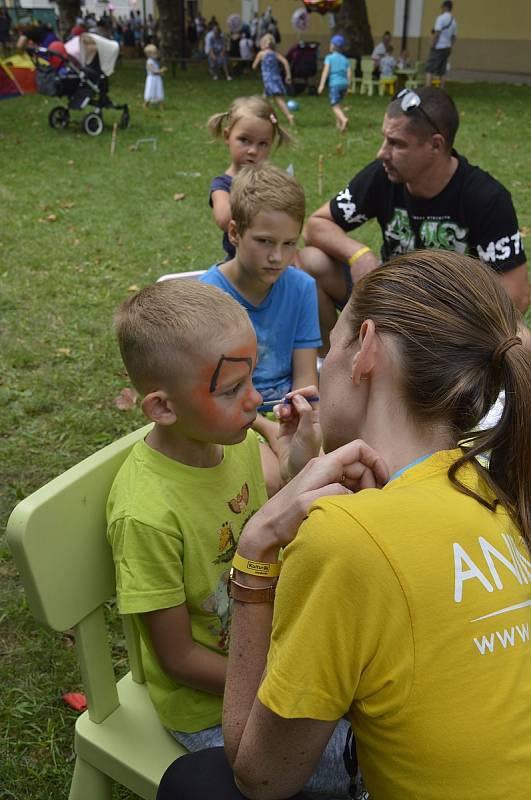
(79, 72)
(302, 58)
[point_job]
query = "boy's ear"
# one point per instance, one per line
(157, 408)
(232, 233)
(365, 358)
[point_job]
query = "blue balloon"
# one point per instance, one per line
(292, 105)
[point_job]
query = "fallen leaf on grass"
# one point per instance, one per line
(69, 638)
(76, 242)
(70, 163)
(178, 196)
(66, 204)
(133, 288)
(75, 700)
(126, 400)
(168, 130)
(339, 149)
(63, 351)
(165, 262)
(525, 231)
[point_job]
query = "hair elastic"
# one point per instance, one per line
(499, 352)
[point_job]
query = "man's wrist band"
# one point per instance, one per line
(250, 594)
(358, 254)
(260, 569)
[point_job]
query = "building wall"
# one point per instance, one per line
(492, 35)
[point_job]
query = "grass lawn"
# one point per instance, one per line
(80, 228)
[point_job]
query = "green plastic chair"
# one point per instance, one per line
(57, 536)
(368, 83)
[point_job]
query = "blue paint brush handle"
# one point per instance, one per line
(286, 401)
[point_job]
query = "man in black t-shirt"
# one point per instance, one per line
(424, 195)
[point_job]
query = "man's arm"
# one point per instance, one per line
(180, 657)
(321, 231)
(516, 284)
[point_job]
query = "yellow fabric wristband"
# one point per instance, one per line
(259, 568)
(358, 254)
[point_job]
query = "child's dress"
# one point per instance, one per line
(154, 88)
(271, 77)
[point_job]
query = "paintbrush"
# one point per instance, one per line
(287, 401)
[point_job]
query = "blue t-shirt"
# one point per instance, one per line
(223, 183)
(286, 320)
(338, 75)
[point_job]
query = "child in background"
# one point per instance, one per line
(154, 88)
(388, 63)
(404, 61)
(246, 49)
(249, 128)
(270, 62)
(267, 214)
(337, 72)
(181, 498)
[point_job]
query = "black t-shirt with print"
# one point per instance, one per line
(473, 214)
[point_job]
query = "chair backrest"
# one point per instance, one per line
(367, 66)
(57, 537)
(192, 276)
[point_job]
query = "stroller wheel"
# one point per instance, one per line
(59, 117)
(93, 124)
(125, 119)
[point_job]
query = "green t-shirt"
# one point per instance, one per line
(173, 530)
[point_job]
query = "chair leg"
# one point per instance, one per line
(89, 782)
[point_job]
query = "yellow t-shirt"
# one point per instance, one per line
(173, 530)
(408, 609)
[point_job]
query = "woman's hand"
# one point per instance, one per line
(350, 468)
(299, 437)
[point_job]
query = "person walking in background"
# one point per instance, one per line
(444, 33)
(270, 62)
(154, 87)
(379, 51)
(337, 72)
(217, 54)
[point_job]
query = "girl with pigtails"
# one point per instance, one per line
(404, 597)
(249, 129)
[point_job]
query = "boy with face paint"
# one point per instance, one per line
(181, 498)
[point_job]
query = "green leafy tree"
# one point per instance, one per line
(352, 22)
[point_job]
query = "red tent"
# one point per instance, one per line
(17, 76)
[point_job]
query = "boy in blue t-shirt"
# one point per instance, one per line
(267, 207)
(338, 73)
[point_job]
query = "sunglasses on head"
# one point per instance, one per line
(411, 102)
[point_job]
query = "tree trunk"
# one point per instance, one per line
(352, 22)
(171, 21)
(69, 10)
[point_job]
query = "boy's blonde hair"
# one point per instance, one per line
(268, 40)
(151, 50)
(253, 106)
(159, 327)
(264, 187)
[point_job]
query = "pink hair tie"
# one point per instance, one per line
(274, 120)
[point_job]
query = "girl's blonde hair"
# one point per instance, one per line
(151, 50)
(253, 106)
(268, 40)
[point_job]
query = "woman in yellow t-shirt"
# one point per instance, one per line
(405, 592)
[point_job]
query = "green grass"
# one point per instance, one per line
(117, 226)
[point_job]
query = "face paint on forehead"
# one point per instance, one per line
(223, 360)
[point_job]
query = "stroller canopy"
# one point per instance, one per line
(107, 50)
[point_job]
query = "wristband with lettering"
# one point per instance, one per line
(358, 254)
(261, 569)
